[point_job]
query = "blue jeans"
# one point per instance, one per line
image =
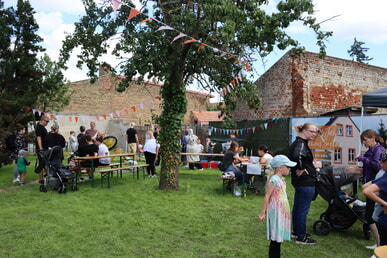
(303, 196)
(239, 175)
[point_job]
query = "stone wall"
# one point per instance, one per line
(305, 85)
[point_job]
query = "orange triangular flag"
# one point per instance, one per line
(126, 111)
(145, 20)
(133, 108)
(104, 117)
(97, 117)
(51, 116)
(190, 41)
(76, 119)
(133, 13)
(233, 83)
(201, 45)
(70, 118)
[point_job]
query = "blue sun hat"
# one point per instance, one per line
(281, 160)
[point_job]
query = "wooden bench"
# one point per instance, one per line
(107, 173)
(229, 181)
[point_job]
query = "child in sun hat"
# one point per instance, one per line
(22, 162)
(276, 206)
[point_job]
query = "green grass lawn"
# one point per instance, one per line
(135, 219)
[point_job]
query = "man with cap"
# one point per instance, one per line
(132, 138)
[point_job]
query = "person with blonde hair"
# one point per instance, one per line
(304, 176)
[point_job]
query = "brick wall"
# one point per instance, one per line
(305, 85)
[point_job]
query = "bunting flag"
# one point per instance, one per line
(165, 28)
(104, 117)
(133, 13)
(133, 108)
(178, 36)
(190, 41)
(242, 131)
(116, 5)
(76, 119)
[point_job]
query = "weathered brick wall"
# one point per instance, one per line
(102, 98)
(304, 85)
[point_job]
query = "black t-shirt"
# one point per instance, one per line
(228, 158)
(131, 132)
(54, 139)
(42, 132)
(87, 149)
(81, 139)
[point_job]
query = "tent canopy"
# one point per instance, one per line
(377, 98)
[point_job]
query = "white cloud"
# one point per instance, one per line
(366, 21)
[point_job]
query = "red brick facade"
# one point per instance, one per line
(301, 85)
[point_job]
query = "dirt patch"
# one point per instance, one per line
(5, 190)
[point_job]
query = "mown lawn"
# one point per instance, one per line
(135, 219)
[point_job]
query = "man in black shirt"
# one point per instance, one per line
(87, 150)
(41, 133)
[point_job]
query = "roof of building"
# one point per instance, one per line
(204, 117)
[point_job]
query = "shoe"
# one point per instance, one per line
(372, 247)
(81, 180)
(237, 191)
(41, 182)
(293, 235)
(200, 169)
(305, 240)
(15, 180)
(22, 184)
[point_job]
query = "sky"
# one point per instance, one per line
(347, 19)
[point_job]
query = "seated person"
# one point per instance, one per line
(87, 150)
(103, 150)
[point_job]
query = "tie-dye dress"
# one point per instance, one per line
(278, 212)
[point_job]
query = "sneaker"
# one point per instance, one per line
(200, 169)
(237, 191)
(22, 184)
(15, 180)
(372, 247)
(293, 235)
(41, 182)
(81, 180)
(305, 240)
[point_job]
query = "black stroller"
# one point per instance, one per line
(58, 176)
(341, 212)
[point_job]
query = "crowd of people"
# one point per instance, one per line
(282, 222)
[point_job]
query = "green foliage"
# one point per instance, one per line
(241, 28)
(25, 82)
(382, 131)
(358, 53)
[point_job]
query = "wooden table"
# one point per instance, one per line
(79, 161)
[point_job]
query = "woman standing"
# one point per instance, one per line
(303, 179)
(193, 147)
(371, 166)
(151, 150)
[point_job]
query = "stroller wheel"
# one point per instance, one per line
(62, 189)
(42, 189)
(74, 188)
(321, 228)
(366, 231)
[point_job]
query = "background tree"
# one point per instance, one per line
(382, 131)
(233, 33)
(357, 52)
(24, 80)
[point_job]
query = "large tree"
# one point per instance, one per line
(223, 38)
(25, 82)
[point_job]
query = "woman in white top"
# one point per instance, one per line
(193, 147)
(103, 150)
(151, 150)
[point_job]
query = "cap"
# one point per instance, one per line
(281, 160)
(22, 152)
(132, 124)
(383, 155)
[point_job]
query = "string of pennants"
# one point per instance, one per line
(81, 118)
(242, 131)
(223, 54)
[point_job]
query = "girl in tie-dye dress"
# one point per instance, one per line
(276, 207)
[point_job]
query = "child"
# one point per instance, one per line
(276, 205)
(22, 162)
(140, 151)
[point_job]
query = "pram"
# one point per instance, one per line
(58, 176)
(341, 213)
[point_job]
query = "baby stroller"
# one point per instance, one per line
(341, 212)
(58, 176)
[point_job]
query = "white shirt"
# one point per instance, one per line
(151, 145)
(103, 151)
